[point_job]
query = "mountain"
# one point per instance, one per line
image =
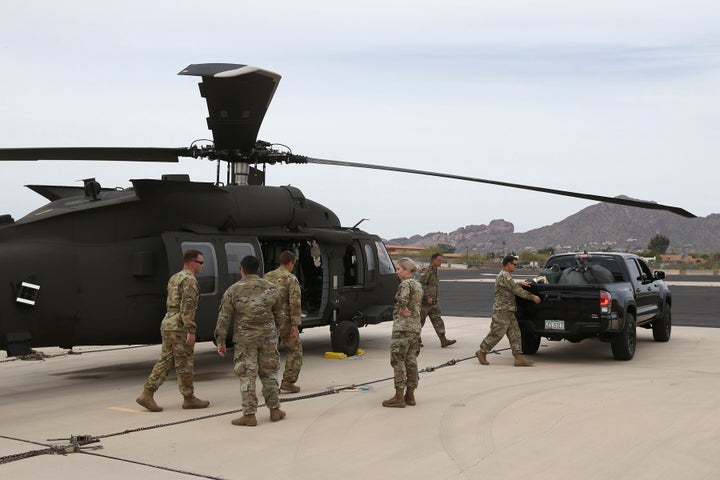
(597, 227)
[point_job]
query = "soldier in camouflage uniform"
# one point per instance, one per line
(288, 330)
(503, 320)
(178, 336)
(405, 341)
(253, 304)
(430, 306)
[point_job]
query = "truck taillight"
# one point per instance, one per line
(605, 301)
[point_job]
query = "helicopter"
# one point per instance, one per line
(91, 266)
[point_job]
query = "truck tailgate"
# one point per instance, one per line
(564, 309)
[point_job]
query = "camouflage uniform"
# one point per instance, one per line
(405, 341)
(253, 304)
(503, 320)
(430, 306)
(289, 288)
(183, 294)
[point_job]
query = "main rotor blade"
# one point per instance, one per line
(599, 198)
(129, 154)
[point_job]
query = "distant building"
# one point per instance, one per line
(680, 258)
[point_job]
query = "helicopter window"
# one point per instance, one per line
(207, 278)
(386, 264)
(369, 257)
(235, 252)
(351, 265)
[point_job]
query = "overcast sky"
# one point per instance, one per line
(610, 98)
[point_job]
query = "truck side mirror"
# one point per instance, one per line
(659, 274)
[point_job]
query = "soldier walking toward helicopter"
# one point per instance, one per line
(178, 336)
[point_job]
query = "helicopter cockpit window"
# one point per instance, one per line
(369, 257)
(207, 278)
(235, 252)
(386, 264)
(352, 265)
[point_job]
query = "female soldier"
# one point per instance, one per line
(405, 342)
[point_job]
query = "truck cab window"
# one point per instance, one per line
(634, 269)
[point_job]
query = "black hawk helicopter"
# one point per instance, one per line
(91, 266)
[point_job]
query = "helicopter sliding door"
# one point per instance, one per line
(374, 293)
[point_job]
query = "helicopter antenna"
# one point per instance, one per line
(358, 223)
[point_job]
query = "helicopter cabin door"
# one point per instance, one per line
(221, 268)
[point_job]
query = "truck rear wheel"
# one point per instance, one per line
(662, 325)
(623, 345)
(530, 342)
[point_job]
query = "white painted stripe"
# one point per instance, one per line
(127, 410)
(668, 283)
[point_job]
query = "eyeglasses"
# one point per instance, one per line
(199, 261)
(513, 263)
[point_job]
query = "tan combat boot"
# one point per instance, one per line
(245, 421)
(190, 401)
(521, 361)
(410, 396)
(146, 400)
(444, 342)
(276, 414)
(481, 357)
(289, 387)
(397, 401)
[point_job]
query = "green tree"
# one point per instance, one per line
(658, 244)
(445, 248)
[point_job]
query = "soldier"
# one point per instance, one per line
(178, 336)
(405, 341)
(430, 306)
(288, 330)
(503, 320)
(253, 304)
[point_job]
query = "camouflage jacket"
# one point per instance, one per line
(253, 305)
(430, 282)
(505, 291)
(289, 288)
(409, 295)
(183, 294)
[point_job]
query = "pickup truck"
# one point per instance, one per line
(601, 295)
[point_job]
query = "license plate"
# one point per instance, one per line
(554, 324)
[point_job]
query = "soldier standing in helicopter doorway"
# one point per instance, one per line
(430, 305)
(288, 330)
(178, 336)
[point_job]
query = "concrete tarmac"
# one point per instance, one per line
(577, 414)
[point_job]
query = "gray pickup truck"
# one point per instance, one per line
(601, 295)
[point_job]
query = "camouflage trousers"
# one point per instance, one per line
(404, 349)
(503, 323)
(294, 357)
(433, 311)
(257, 357)
(175, 353)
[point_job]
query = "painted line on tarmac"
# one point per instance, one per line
(126, 410)
(679, 283)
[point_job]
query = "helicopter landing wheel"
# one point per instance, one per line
(345, 338)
